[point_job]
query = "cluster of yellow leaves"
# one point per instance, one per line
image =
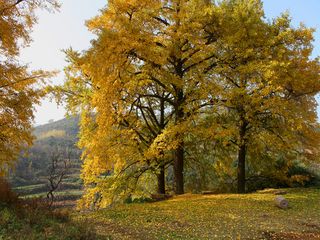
(19, 88)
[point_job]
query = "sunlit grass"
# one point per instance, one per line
(225, 216)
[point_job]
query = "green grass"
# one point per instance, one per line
(225, 216)
(40, 190)
(76, 193)
(29, 187)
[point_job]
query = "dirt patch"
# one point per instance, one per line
(116, 231)
(313, 226)
(291, 236)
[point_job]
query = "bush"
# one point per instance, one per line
(34, 219)
(295, 175)
(6, 194)
(302, 175)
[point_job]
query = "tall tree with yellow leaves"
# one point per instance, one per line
(194, 58)
(19, 88)
(145, 116)
(268, 85)
(147, 44)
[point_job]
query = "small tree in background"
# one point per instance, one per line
(60, 163)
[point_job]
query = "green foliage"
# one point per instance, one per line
(130, 200)
(302, 175)
(32, 219)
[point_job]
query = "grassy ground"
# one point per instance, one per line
(65, 197)
(34, 222)
(226, 216)
(70, 193)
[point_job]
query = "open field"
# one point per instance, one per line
(225, 216)
(63, 198)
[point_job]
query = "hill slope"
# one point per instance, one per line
(33, 169)
(68, 125)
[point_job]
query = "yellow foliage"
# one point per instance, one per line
(19, 88)
(157, 69)
(53, 133)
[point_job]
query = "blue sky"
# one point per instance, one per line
(64, 29)
(305, 11)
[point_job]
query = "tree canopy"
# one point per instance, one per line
(162, 76)
(20, 89)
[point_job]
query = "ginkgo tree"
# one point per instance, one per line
(122, 69)
(269, 82)
(20, 89)
(142, 119)
(161, 71)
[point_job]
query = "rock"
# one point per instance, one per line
(281, 202)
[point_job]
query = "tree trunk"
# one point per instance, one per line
(161, 175)
(161, 181)
(178, 169)
(242, 169)
(179, 152)
(242, 157)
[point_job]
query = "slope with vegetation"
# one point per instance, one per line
(34, 219)
(32, 172)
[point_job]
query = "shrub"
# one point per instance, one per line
(302, 175)
(6, 194)
(296, 174)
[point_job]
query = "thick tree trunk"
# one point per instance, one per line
(242, 157)
(161, 175)
(178, 169)
(242, 169)
(161, 181)
(179, 152)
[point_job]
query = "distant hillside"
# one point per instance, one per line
(32, 170)
(68, 125)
